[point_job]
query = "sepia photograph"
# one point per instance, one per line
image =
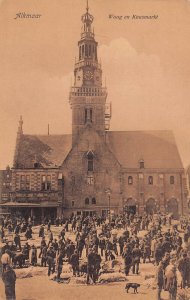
(94, 149)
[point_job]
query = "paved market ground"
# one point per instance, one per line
(41, 288)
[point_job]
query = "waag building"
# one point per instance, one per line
(95, 170)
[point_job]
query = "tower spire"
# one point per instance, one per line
(20, 129)
(18, 141)
(87, 20)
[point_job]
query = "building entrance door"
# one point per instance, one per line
(132, 209)
(130, 206)
(151, 207)
(172, 208)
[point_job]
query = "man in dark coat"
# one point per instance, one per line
(80, 246)
(41, 231)
(51, 260)
(59, 264)
(26, 250)
(74, 261)
(62, 233)
(33, 255)
(136, 255)
(44, 256)
(28, 233)
(91, 272)
(184, 268)
(127, 260)
(159, 280)
(17, 241)
(42, 245)
(9, 279)
(166, 246)
(97, 265)
(158, 252)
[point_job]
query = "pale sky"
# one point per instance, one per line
(146, 64)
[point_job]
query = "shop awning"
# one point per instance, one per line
(17, 204)
(21, 204)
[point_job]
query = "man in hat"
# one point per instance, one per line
(5, 259)
(184, 269)
(98, 260)
(91, 273)
(159, 279)
(17, 241)
(44, 256)
(33, 255)
(41, 231)
(158, 252)
(136, 255)
(51, 260)
(26, 250)
(59, 262)
(9, 279)
(42, 245)
(74, 261)
(127, 259)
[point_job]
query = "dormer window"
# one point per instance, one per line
(141, 164)
(36, 165)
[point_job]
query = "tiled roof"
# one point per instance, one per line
(157, 148)
(47, 150)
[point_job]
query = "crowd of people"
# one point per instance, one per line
(86, 242)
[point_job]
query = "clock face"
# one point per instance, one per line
(88, 75)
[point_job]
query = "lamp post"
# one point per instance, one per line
(108, 192)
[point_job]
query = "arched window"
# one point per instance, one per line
(90, 158)
(150, 180)
(82, 50)
(85, 115)
(93, 200)
(130, 180)
(172, 180)
(91, 115)
(88, 114)
(87, 201)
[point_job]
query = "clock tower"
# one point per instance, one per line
(88, 96)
